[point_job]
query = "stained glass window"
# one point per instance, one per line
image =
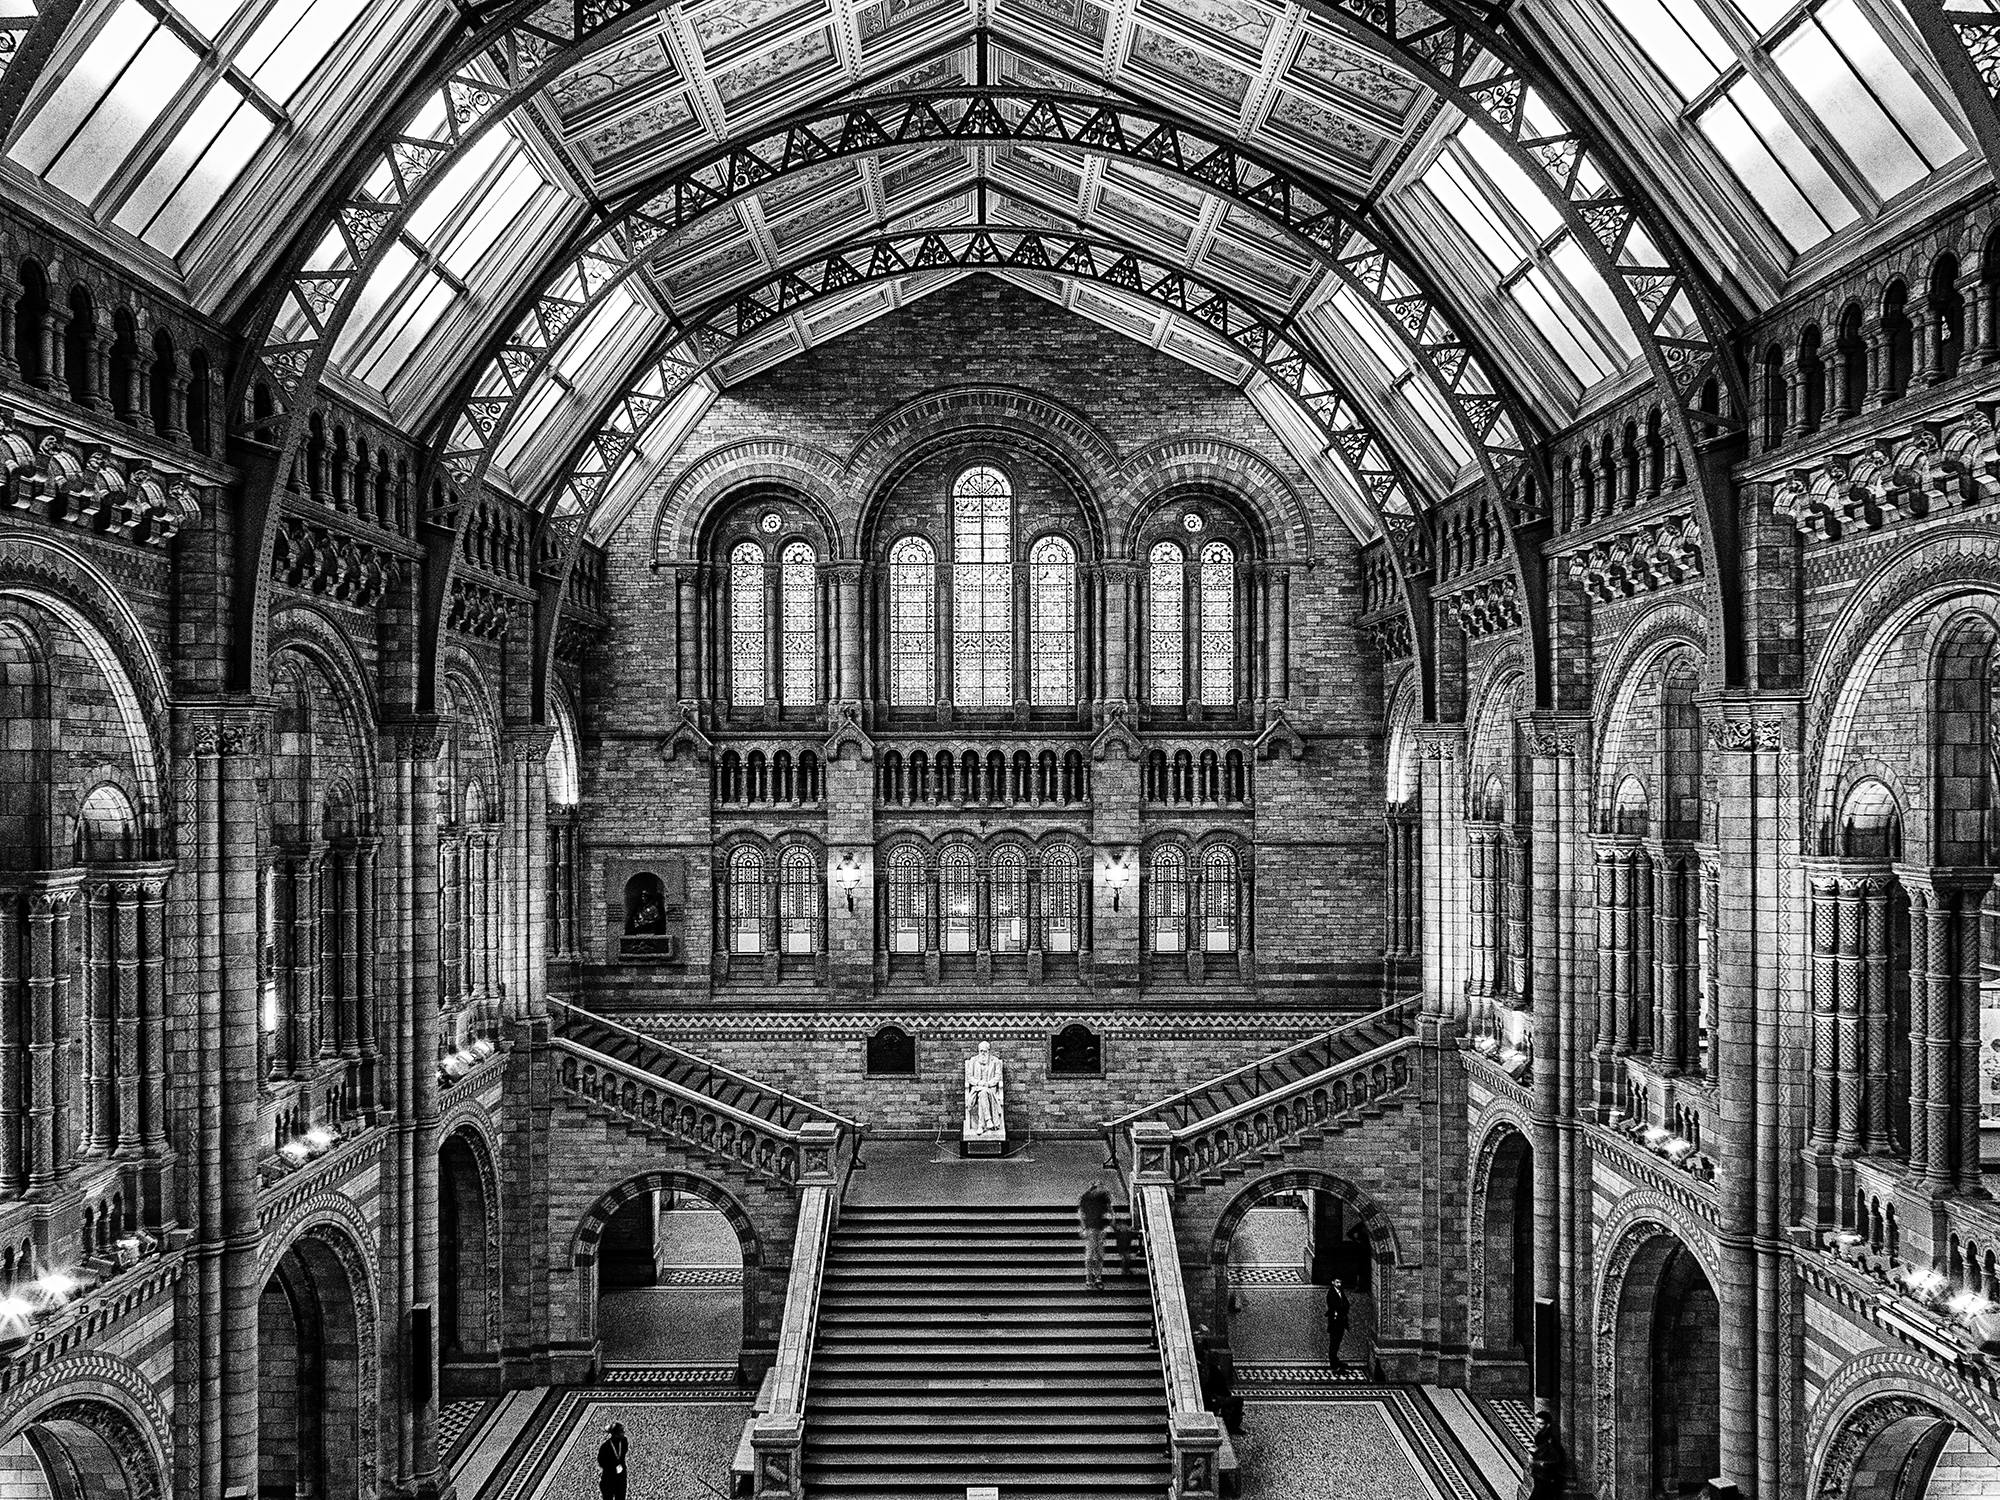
(1218, 625)
(746, 624)
(746, 901)
(907, 905)
(1165, 627)
(1166, 911)
(982, 589)
(799, 590)
(798, 900)
(1052, 610)
(912, 622)
(1059, 899)
(1218, 900)
(1820, 112)
(1010, 900)
(958, 899)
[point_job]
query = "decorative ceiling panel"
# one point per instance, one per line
(614, 77)
(1175, 63)
(1236, 24)
(772, 77)
(1325, 61)
(732, 27)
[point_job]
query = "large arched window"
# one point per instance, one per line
(746, 624)
(1052, 615)
(1218, 900)
(798, 901)
(906, 901)
(1218, 625)
(958, 900)
(912, 622)
(1166, 625)
(1166, 909)
(798, 588)
(746, 901)
(982, 589)
(1059, 899)
(1010, 900)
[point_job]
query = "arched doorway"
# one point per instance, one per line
(1665, 1366)
(1504, 1261)
(468, 1268)
(675, 1264)
(315, 1341)
(78, 1450)
(1277, 1247)
(1901, 1447)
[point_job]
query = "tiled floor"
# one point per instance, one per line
(1376, 1443)
(922, 1172)
(695, 1316)
(681, 1442)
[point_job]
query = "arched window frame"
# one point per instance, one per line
(907, 905)
(1009, 900)
(746, 900)
(1167, 900)
(1166, 625)
(912, 622)
(1221, 915)
(1052, 633)
(799, 891)
(748, 626)
(1062, 928)
(798, 645)
(1217, 660)
(982, 588)
(958, 900)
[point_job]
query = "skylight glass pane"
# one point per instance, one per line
(193, 138)
(247, 130)
(1931, 136)
(1466, 208)
(1781, 176)
(65, 110)
(294, 38)
(1574, 266)
(120, 120)
(460, 183)
(1375, 335)
(503, 204)
(1763, 14)
(532, 415)
(381, 288)
(412, 322)
(1679, 39)
(1841, 101)
(1534, 295)
(1439, 420)
(1508, 184)
(602, 323)
(209, 17)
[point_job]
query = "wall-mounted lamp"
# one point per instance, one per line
(1117, 873)
(847, 875)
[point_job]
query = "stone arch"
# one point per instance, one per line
(1637, 718)
(1658, 1261)
(470, 1281)
(1382, 1242)
(711, 482)
(100, 1404)
(319, 1298)
(1878, 1414)
(1178, 464)
(1400, 761)
(1491, 741)
(308, 631)
(1502, 1178)
(590, 1230)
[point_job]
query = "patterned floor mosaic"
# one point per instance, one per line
(456, 1422)
(1368, 1443)
(1515, 1419)
(682, 1438)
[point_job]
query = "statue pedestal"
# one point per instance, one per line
(994, 1144)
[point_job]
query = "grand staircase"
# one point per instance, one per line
(960, 1346)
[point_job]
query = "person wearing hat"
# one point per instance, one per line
(611, 1462)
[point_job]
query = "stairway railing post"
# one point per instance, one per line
(777, 1438)
(1194, 1433)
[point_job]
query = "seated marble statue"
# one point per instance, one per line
(985, 1096)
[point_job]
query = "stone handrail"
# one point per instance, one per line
(707, 1125)
(1194, 1434)
(777, 1435)
(1180, 1104)
(713, 1070)
(1256, 1125)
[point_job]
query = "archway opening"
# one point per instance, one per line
(670, 1283)
(1286, 1251)
(65, 1458)
(1914, 1452)
(1504, 1362)
(309, 1379)
(468, 1280)
(1667, 1374)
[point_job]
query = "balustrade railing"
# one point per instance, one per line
(777, 1435)
(1194, 1434)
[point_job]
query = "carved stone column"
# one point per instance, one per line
(1441, 792)
(1944, 1025)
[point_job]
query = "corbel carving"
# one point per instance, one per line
(844, 731)
(1279, 735)
(685, 734)
(1115, 734)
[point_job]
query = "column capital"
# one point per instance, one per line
(419, 737)
(231, 727)
(1557, 736)
(1938, 881)
(1751, 723)
(527, 744)
(844, 569)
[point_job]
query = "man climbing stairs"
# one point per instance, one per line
(959, 1346)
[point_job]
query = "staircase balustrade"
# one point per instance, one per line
(1194, 1434)
(777, 1436)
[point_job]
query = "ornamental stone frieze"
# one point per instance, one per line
(1655, 555)
(1391, 635)
(75, 482)
(1487, 608)
(321, 561)
(478, 611)
(1897, 477)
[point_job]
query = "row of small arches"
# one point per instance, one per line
(935, 778)
(1187, 779)
(778, 778)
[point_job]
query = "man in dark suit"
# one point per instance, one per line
(611, 1462)
(1337, 1320)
